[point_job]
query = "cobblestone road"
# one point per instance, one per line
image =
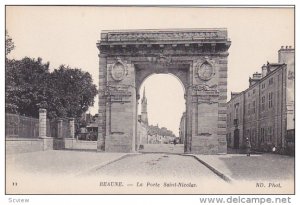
(159, 166)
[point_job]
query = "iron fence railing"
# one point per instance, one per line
(17, 126)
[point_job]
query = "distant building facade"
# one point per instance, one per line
(182, 129)
(142, 130)
(264, 113)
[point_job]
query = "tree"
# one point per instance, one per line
(26, 82)
(154, 130)
(9, 44)
(65, 92)
(72, 92)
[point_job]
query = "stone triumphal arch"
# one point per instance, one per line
(197, 57)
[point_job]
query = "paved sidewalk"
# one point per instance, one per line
(58, 162)
(257, 167)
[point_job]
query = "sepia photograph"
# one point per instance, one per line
(185, 100)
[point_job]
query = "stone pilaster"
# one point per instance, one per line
(60, 128)
(102, 102)
(42, 123)
(72, 127)
(189, 121)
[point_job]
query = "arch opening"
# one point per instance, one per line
(160, 114)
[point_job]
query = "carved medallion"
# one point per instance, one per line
(205, 71)
(118, 71)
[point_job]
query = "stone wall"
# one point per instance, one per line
(22, 145)
(287, 55)
(209, 105)
(27, 134)
(73, 144)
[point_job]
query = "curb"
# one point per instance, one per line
(105, 164)
(160, 153)
(115, 160)
(220, 174)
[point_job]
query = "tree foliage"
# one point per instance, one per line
(155, 130)
(65, 92)
(26, 83)
(9, 44)
(72, 92)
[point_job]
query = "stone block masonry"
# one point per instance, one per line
(197, 57)
(42, 123)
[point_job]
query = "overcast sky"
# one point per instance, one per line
(68, 35)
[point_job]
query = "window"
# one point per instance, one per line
(262, 134)
(263, 86)
(229, 138)
(249, 108)
(253, 103)
(248, 94)
(270, 100)
(270, 81)
(236, 112)
(253, 91)
(253, 136)
(270, 134)
(263, 102)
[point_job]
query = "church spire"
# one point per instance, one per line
(144, 112)
(144, 99)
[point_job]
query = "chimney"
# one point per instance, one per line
(234, 94)
(255, 78)
(264, 71)
(286, 55)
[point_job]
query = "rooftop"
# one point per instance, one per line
(277, 65)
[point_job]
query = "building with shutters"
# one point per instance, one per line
(264, 112)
